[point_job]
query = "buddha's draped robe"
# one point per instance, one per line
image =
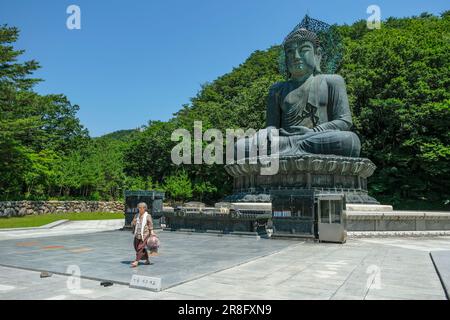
(321, 104)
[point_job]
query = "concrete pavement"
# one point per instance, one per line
(375, 268)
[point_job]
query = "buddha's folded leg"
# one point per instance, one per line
(341, 143)
(253, 146)
(245, 148)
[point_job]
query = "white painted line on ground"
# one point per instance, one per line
(81, 291)
(60, 297)
(4, 287)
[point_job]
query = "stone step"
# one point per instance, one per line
(387, 234)
(368, 207)
(397, 214)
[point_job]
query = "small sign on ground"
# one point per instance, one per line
(146, 283)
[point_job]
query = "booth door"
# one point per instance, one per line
(331, 226)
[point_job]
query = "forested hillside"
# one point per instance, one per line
(398, 85)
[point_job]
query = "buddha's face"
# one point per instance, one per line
(300, 58)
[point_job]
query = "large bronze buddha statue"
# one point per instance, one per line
(308, 127)
(310, 109)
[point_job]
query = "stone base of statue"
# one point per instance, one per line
(324, 173)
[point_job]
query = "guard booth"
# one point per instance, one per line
(332, 224)
(154, 201)
(308, 214)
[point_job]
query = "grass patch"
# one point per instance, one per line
(43, 219)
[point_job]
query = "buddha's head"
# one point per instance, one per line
(303, 53)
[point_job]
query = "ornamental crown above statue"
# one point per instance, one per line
(310, 109)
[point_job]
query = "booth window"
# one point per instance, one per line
(330, 211)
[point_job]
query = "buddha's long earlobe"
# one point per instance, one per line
(288, 74)
(318, 60)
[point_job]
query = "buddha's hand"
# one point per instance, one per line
(271, 132)
(295, 131)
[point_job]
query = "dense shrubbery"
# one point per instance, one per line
(398, 84)
(398, 81)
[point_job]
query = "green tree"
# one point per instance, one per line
(35, 130)
(178, 186)
(398, 83)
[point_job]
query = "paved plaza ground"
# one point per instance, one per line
(206, 266)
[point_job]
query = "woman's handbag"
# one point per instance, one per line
(153, 243)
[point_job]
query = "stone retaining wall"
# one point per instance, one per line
(398, 221)
(23, 208)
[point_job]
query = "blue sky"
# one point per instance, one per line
(134, 61)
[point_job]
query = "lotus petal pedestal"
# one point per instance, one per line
(325, 173)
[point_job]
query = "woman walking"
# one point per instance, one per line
(143, 229)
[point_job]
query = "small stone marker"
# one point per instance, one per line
(144, 282)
